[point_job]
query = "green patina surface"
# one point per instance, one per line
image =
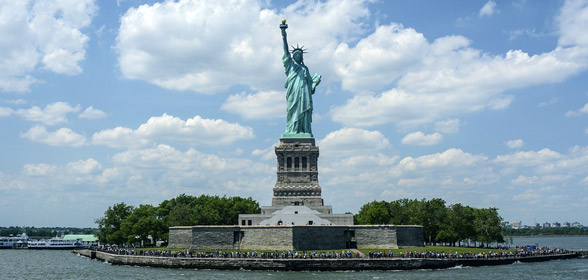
(296, 135)
(300, 86)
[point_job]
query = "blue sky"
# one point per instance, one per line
(483, 103)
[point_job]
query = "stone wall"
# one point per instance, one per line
(376, 237)
(410, 236)
(295, 237)
(180, 237)
(267, 238)
(319, 237)
(310, 264)
(215, 237)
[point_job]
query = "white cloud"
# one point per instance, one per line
(205, 46)
(489, 9)
(118, 137)
(530, 32)
(52, 114)
(89, 166)
(61, 137)
(448, 126)
(15, 101)
(445, 78)
(91, 113)
(197, 131)
(355, 172)
(5, 111)
(260, 105)
(529, 195)
(195, 45)
(411, 182)
(268, 153)
(172, 167)
(380, 58)
(573, 20)
(453, 78)
(38, 170)
(347, 141)
(453, 158)
(579, 112)
(529, 158)
(515, 144)
(524, 180)
(46, 33)
(421, 139)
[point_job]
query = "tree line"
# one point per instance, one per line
(43, 232)
(126, 224)
(442, 224)
(546, 231)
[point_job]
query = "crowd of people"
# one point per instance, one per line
(519, 253)
(230, 254)
(344, 254)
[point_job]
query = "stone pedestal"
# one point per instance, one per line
(297, 191)
(297, 173)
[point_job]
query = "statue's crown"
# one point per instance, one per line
(298, 48)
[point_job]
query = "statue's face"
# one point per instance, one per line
(297, 55)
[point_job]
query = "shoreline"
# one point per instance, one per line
(356, 264)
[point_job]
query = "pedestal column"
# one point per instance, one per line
(297, 178)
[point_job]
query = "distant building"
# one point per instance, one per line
(516, 225)
(565, 224)
(556, 224)
(546, 225)
(536, 225)
(85, 239)
(576, 224)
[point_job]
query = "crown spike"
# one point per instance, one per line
(298, 48)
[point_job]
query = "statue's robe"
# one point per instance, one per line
(299, 86)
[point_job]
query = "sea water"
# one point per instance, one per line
(34, 264)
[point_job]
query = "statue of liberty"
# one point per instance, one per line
(300, 86)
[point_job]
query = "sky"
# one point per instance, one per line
(483, 103)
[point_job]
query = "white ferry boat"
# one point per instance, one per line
(54, 243)
(10, 242)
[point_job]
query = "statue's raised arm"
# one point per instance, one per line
(300, 87)
(283, 27)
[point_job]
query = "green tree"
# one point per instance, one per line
(440, 223)
(240, 205)
(186, 210)
(458, 226)
(141, 224)
(488, 225)
(122, 223)
(432, 215)
(109, 226)
(375, 212)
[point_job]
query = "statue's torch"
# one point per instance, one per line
(283, 25)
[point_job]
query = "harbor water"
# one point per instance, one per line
(33, 264)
